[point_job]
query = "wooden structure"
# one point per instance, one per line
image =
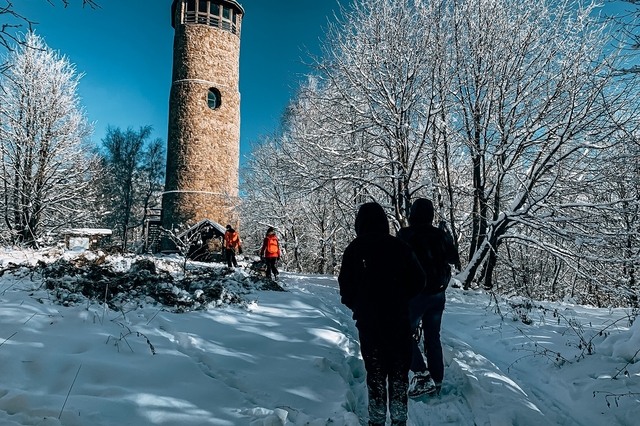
(152, 231)
(86, 238)
(203, 241)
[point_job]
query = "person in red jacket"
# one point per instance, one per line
(270, 252)
(232, 244)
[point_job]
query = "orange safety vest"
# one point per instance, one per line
(270, 246)
(231, 240)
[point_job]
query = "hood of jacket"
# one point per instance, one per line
(421, 212)
(371, 219)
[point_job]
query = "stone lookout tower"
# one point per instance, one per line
(204, 114)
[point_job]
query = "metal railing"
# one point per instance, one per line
(210, 20)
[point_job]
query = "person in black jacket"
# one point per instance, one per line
(379, 297)
(435, 251)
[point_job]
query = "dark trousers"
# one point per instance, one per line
(271, 266)
(429, 309)
(231, 258)
(387, 356)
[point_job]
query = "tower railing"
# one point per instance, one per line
(211, 20)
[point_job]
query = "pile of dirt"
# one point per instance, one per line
(96, 279)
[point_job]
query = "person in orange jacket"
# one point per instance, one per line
(270, 252)
(231, 245)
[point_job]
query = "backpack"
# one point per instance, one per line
(271, 249)
(430, 247)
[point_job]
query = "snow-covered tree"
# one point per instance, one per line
(152, 174)
(46, 168)
(537, 104)
(133, 179)
(508, 114)
(626, 13)
(381, 77)
(289, 183)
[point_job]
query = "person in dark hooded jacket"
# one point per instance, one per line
(435, 251)
(379, 297)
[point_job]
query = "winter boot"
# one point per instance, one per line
(399, 423)
(421, 383)
(434, 388)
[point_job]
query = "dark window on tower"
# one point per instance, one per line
(226, 19)
(203, 11)
(190, 13)
(214, 100)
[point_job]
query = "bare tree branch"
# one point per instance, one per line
(11, 19)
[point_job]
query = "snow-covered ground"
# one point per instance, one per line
(292, 358)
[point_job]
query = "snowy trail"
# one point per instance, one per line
(467, 392)
(493, 396)
(306, 330)
(292, 359)
(487, 390)
(492, 387)
(450, 408)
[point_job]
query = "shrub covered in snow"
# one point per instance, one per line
(138, 280)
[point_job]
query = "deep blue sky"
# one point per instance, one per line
(125, 51)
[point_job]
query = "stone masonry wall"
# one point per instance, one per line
(203, 144)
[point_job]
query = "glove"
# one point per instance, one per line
(239, 249)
